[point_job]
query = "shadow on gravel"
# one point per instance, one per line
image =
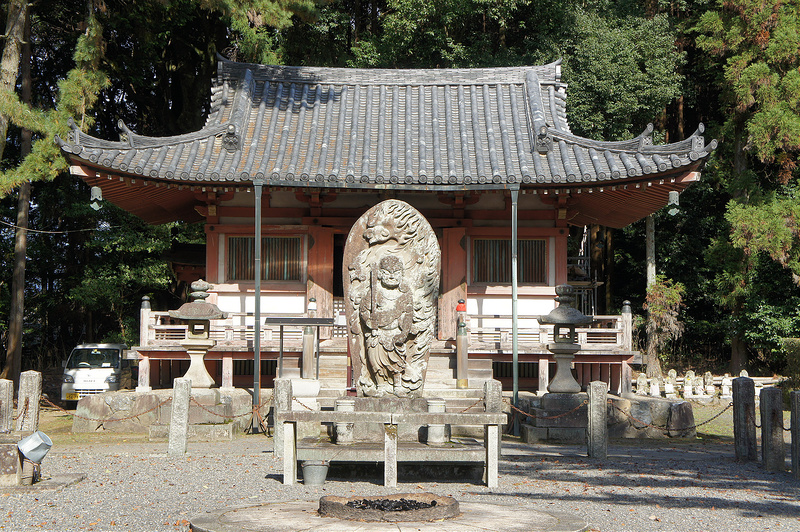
(769, 508)
(701, 475)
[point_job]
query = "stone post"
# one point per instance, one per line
(597, 428)
(30, 393)
(493, 401)
(625, 379)
(437, 433)
(744, 419)
(343, 432)
(462, 347)
(795, 406)
(6, 405)
(309, 340)
(144, 375)
(773, 452)
(390, 456)
(282, 396)
(179, 424)
(227, 374)
(544, 376)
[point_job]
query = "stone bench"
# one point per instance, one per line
(391, 452)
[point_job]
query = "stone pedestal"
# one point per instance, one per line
(563, 381)
(552, 421)
(197, 372)
(343, 432)
(437, 434)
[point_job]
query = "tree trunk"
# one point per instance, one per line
(651, 357)
(738, 354)
(9, 64)
(13, 365)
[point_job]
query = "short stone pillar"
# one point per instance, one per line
(437, 433)
(227, 374)
(343, 432)
(795, 406)
(744, 419)
(309, 343)
(144, 375)
(6, 405)
(597, 427)
(282, 397)
(30, 393)
(179, 424)
(773, 451)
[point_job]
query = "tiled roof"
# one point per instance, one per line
(415, 129)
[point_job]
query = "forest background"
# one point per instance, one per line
(728, 260)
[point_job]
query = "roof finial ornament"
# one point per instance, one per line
(230, 141)
(544, 142)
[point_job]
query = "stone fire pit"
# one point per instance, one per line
(361, 509)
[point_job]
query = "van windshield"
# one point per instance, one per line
(93, 358)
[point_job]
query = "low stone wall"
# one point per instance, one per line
(129, 411)
(563, 418)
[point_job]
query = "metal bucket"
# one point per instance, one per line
(35, 446)
(315, 472)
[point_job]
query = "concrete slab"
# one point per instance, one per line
(302, 516)
(54, 483)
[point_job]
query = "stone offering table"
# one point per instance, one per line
(391, 451)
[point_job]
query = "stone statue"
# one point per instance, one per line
(391, 282)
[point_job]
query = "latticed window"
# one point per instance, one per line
(491, 261)
(281, 258)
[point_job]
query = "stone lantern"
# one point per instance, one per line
(198, 315)
(564, 345)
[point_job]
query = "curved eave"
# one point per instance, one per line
(586, 164)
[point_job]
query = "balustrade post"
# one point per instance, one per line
(627, 326)
(144, 322)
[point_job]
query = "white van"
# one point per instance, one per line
(95, 368)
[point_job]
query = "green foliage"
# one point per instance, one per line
(622, 73)
(663, 305)
(759, 41)
(77, 94)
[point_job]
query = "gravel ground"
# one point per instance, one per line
(642, 486)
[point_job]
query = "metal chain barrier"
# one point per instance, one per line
(24, 411)
(159, 405)
(664, 427)
(473, 405)
(532, 416)
(301, 404)
(248, 412)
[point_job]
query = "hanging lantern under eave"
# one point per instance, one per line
(674, 202)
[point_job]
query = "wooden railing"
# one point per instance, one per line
(160, 329)
(606, 332)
